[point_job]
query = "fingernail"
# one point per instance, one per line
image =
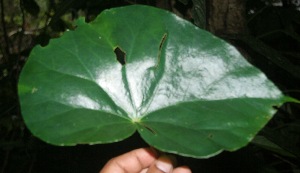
(164, 165)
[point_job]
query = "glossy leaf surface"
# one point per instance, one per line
(140, 68)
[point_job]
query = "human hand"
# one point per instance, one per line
(143, 160)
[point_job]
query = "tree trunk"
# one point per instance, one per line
(226, 17)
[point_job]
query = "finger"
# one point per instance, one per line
(182, 169)
(144, 170)
(133, 161)
(162, 165)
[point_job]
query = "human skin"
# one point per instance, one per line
(143, 160)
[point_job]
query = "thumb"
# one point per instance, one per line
(164, 164)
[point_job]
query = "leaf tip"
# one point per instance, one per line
(291, 99)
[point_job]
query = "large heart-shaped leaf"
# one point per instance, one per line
(141, 68)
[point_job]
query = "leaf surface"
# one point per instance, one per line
(141, 68)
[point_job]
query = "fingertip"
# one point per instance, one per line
(164, 164)
(133, 161)
(145, 156)
(182, 169)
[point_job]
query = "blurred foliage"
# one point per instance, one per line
(272, 43)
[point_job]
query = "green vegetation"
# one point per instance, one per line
(270, 41)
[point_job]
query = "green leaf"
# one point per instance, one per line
(199, 13)
(141, 68)
(269, 145)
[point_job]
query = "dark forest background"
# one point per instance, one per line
(267, 33)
